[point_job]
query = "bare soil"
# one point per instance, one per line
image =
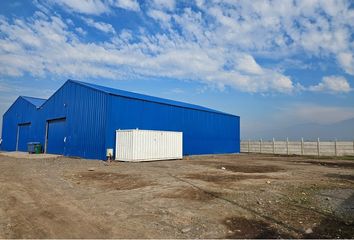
(110, 180)
(220, 178)
(221, 196)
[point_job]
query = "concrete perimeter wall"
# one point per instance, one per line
(317, 148)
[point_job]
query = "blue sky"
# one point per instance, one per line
(275, 63)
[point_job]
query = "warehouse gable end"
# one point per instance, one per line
(37, 102)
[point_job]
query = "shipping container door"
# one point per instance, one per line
(56, 136)
(23, 134)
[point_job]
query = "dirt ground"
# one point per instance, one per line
(224, 196)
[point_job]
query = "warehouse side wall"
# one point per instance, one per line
(203, 132)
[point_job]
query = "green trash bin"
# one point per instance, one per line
(31, 147)
(38, 148)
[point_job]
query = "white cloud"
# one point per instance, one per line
(163, 4)
(159, 16)
(247, 64)
(334, 84)
(278, 29)
(161, 11)
(132, 5)
(95, 7)
(4, 87)
(59, 51)
(216, 44)
(80, 31)
(104, 27)
(346, 60)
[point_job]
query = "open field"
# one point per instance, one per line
(225, 196)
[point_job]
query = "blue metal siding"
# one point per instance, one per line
(23, 136)
(93, 115)
(203, 132)
(84, 110)
(21, 111)
(85, 113)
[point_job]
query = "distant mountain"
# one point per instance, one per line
(343, 130)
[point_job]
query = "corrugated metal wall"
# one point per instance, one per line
(84, 110)
(203, 132)
(21, 111)
(85, 113)
(92, 117)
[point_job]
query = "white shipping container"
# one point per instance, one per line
(147, 145)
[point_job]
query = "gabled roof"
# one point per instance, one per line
(37, 102)
(122, 93)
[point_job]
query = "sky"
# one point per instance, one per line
(276, 64)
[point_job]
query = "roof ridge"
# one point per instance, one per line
(32, 97)
(37, 102)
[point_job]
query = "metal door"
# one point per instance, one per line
(56, 136)
(23, 134)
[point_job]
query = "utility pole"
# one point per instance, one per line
(273, 146)
(335, 147)
(260, 145)
(287, 146)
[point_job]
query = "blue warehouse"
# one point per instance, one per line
(80, 119)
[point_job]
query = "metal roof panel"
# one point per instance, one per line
(37, 102)
(143, 97)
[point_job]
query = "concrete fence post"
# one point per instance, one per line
(302, 146)
(260, 145)
(273, 146)
(318, 146)
(287, 146)
(335, 147)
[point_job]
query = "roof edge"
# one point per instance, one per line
(12, 104)
(27, 100)
(149, 100)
